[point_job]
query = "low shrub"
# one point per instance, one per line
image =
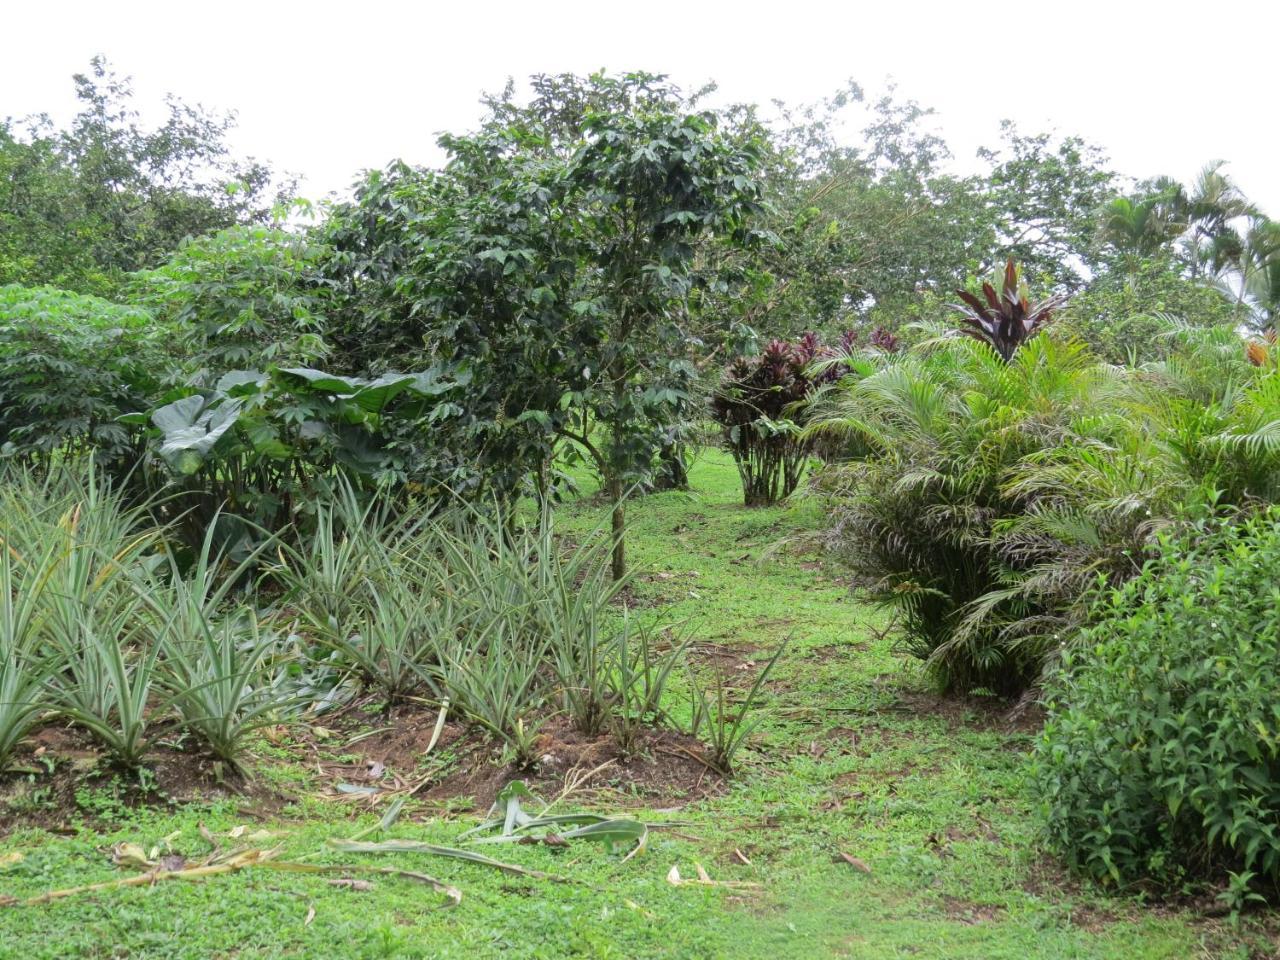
(1160, 760)
(751, 405)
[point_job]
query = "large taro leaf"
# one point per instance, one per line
(358, 449)
(238, 383)
(321, 381)
(370, 395)
(190, 427)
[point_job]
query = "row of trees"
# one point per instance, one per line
(564, 288)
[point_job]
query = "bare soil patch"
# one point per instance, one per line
(666, 768)
(52, 770)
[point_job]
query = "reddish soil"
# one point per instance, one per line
(666, 768)
(58, 762)
(356, 757)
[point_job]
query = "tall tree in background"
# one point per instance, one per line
(1212, 207)
(1143, 226)
(1043, 194)
(82, 207)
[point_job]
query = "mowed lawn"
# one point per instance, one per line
(869, 818)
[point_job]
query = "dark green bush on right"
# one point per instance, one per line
(1160, 760)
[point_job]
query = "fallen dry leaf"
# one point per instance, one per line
(311, 915)
(9, 859)
(674, 878)
(351, 884)
(130, 855)
(854, 862)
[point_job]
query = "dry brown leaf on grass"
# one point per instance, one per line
(351, 884)
(132, 856)
(852, 861)
(704, 879)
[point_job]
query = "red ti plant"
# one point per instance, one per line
(754, 406)
(1008, 319)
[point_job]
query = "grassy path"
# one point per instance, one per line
(857, 758)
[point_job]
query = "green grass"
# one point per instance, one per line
(857, 757)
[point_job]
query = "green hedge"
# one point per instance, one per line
(1160, 760)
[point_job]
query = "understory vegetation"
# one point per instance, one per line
(637, 456)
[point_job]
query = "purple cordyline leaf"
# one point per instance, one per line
(989, 292)
(1011, 280)
(978, 306)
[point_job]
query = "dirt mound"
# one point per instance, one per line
(666, 768)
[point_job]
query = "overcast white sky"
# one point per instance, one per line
(325, 89)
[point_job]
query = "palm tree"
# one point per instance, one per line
(1211, 207)
(1140, 227)
(1259, 266)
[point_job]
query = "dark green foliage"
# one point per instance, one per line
(937, 505)
(242, 297)
(258, 447)
(1125, 316)
(368, 248)
(1160, 760)
(982, 498)
(70, 366)
(547, 262)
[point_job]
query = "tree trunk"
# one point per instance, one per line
(673, 472)
(619, 566)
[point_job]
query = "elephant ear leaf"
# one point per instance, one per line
(181, 413)
(238, 383)
(190, 428)
(374, 395)
(370, 396)
(321, 381)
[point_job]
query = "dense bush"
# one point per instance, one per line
(1160, 759)
(242, 297)
(70, 365)
(936, 437)
(981, 499)
(259, 446)
(1124, 317)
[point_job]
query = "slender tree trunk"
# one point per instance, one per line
(614, 480)
(619, 565)
(673, 472)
